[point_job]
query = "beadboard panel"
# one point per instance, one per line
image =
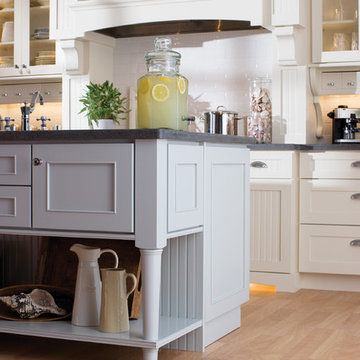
(293, 113)
(18, 259)
(181, 286)
(271, 225)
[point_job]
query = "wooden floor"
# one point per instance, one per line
(307, 325)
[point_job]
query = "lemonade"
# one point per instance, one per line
(162, 102)
(162, 93)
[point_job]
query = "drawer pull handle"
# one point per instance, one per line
(258, 164)
(355, 196)
(355, 242)
(38, 162)
(355, 164)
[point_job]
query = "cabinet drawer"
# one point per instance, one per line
(330, 202)
(185, 193)
(330, 165)
(15, 206)
(273, 164)
(86, 187)
(329, 249)
(349, 80)
(15, 165)
(331, 81)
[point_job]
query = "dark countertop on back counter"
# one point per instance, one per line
(303, 147)
(114, 136)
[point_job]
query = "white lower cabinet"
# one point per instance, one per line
(273, 212)
(226, 232)
(192, 213)
(84, 187)
(329, 212)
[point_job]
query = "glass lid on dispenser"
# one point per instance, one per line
(163, 58)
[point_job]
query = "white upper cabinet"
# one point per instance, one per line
(288, 13)
(25, 48)
(72, 18)
(335, 30)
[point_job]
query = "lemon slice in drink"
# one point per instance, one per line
(160, 92)
(181, 84)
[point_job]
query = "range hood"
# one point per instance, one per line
(127, 18)
(177, 27)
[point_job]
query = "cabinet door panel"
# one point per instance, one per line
(185, 194)
(272, 225)
(329, 249)
(15, 164)
(330, 202)
(15, 206)
(226, 253)
(84, 187)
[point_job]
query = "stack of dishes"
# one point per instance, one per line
(41, 33)
(45, 58)
(6, 61)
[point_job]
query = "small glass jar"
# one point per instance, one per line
(259, 123)
(162, 93)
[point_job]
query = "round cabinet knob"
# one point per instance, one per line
(38, 162)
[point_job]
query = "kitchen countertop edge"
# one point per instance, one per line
(113, 136)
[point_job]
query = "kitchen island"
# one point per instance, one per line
(183, 198)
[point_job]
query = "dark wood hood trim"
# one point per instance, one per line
(177, 27)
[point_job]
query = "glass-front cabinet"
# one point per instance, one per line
(335, 30)
(25, 47)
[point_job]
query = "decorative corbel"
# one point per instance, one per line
(76, 55)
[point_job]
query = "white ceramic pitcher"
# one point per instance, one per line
(87, 302)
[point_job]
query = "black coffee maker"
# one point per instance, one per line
(345, 122)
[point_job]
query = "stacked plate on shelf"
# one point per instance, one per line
(45, 58)
(41, 33)
(6, 61)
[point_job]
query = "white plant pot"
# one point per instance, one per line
(103, 124)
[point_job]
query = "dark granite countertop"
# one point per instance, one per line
(114, 136)
(303, 147)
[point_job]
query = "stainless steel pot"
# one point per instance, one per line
(224, 122)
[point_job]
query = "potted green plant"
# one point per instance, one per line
(103, 105)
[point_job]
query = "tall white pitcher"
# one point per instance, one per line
(87, 302)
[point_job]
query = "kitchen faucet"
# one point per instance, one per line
(26, 110)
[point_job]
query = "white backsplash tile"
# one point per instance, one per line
(217, 65)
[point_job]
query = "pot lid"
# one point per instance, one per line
(221, 110)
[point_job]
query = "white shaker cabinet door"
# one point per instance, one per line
(226, 234)
(185, 190)
(85, 187)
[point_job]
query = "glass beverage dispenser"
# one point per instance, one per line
(162, 92)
